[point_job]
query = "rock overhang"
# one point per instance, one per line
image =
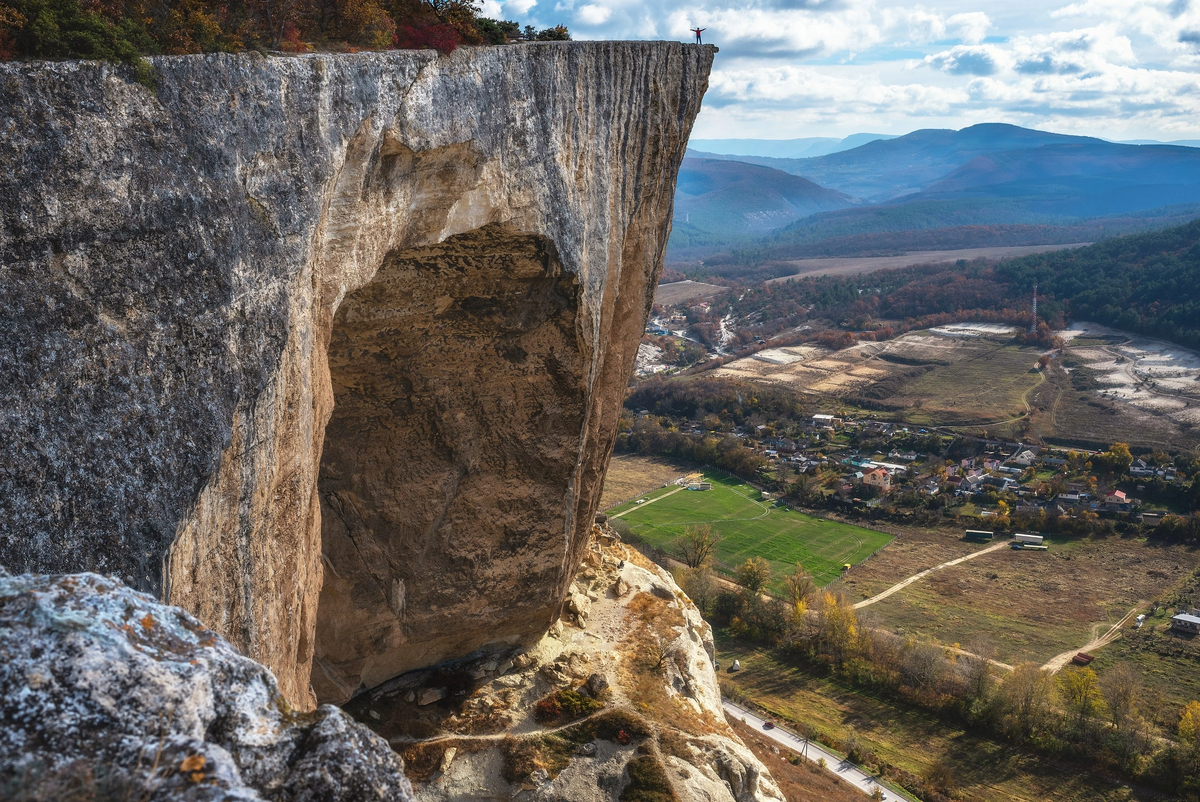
(176, 262)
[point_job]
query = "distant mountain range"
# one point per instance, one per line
(732, 197)
(985, 175)
(805, 148)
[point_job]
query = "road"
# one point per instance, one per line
(915, 577)
(859, 778)
(1058, 663)
(651, 501)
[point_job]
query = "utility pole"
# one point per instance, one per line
(1033, 322)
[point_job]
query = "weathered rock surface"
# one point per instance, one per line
(105, 693)
(667, 714)
(448, 260)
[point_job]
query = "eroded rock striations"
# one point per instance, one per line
(107, 694)
(447, 260)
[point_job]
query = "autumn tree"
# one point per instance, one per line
(1026, 695)
(1122, 687)
(837, 626)
(1189, 723)
(701, 586)
(1080, 693)
(754, 574)
(975, 667)
(799, 586)
(697, 544)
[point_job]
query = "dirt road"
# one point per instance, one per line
(651, 501)
(1057, 664)
(915, 577)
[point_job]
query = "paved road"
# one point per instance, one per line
(859, 778)
(902, 585)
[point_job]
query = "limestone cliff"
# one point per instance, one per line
(619, 701)
(359, 320)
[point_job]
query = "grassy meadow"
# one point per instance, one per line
(750, 527)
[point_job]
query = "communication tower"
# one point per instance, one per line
(1033, 322)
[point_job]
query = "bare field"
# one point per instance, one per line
(853, 265)
(1138, 391)
(958, 376)
(1030, 605)
(682, 291)
(914, 550)
(629, 476)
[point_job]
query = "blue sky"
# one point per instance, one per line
(1121, 69)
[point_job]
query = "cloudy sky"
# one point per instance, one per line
(1121, 69)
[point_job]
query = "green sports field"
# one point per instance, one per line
(751, 528)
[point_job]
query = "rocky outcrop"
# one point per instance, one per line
(107, 694)
(447, 260)
(619, 701)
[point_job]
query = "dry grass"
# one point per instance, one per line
(986, 770)
(630, 476)
(644, 681)
(1032, 605)
(797, 781)
(913, 550)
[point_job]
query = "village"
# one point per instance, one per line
(836, 460)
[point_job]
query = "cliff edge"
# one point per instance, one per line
(329, 350)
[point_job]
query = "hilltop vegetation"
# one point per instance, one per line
(1145, 283)
(128, 29)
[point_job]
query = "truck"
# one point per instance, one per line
(1034, 540)
(979, 535)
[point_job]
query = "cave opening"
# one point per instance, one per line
(459, 382)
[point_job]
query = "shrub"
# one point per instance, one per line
(565, 705)
(648, 781)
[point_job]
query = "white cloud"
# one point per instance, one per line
(971, 27)
(518, 8)
(593, 14)
(491, 9)
(1121, 68)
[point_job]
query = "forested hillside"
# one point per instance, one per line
(1144, 283)
(1148, 283)
(729, 197)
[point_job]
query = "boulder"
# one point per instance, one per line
(106, 691)
(597, 685)
(428, 696)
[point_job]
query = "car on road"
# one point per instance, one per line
(768, 725)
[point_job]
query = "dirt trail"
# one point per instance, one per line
(647, 504)
(1056, 664)
(915, 577)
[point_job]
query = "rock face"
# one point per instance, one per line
(107, 693)
(642, 654)
(449, 261)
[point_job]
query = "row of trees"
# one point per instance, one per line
(647, 436)
(128, 29)
(1109, 717)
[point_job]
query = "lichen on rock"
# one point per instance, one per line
(108, 694)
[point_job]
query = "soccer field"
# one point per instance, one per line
(751, 528)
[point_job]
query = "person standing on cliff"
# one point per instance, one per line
(698, 31)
